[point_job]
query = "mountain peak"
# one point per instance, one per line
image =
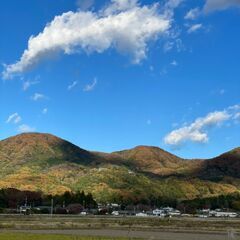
(152, 159)
(41, 147)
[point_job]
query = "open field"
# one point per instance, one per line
(107, 234)
(75, 227)
(23, 236)
(64, 222)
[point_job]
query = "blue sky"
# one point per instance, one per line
(110, 75)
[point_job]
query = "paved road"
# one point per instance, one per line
(153, 235)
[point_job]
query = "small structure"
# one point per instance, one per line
(141, 214)
(159, 213)
(217, 213)
(115, 213)
(166, 212)
(226, 214)
(26, 210)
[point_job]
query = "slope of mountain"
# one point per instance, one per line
(43, 162)
(225, 165)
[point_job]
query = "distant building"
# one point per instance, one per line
(223, 214)
(141, 214)
(26, 210)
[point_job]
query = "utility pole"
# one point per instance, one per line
(26, 199)
(51, 207)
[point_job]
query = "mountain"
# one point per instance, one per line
(43, 162)
(41, 149)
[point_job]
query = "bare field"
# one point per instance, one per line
(128, 227)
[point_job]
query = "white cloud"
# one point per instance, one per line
(195, 28)
(198, 130)
(38, 96)
(174, 63)
(192, 14)
(72, 85)
(14, 118)
(124, 25)
(90, 87)
(44, 111)
(217, 5)
(25, 128)
(84, 4)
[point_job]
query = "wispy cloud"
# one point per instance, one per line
(84, 4)
(174, 63)
(72, 85)
(91, 86)
(174, 43)
(194, 28)
(197, 131)
(172, 3)
(14, 118)
(193, 14)
(27, 84)
(25, 128)
(217, 5)
(124, 25)
(237, 116)
(38, 96)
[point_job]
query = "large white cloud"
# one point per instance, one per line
(124, 25)
(214, 5)
(197, 131)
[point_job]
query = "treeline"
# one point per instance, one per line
(230, 201)
(75, 202)
(227, 202)
(14, 198)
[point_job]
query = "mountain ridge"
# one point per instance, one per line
(44, 162)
